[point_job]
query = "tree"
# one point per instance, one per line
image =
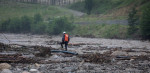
(61, 24)
(37, 18)
(145, 23)
(14, 25)
(38, 25)
(133, 21)
(88, 6)
(4, 25)
(38, 28)
(26, 24)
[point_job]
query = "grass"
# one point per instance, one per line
(93, 18)
(102, 31)
(10, 9)
(109, 10)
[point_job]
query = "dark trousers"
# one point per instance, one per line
(66, 44)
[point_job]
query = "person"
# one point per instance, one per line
(65, 40)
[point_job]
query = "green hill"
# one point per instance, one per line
(103, 10)
(9, 9)
(111, 8)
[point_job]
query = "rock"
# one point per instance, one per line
(25, 72)
(37, 65)
(55, 56)
(6, 71)
(119, 53)
(119, 63)
(4, 66)
(131, 59)
(34, 71)
(18, 69)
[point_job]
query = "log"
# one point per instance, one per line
(123, 57)
(15, 58)
(67, 52)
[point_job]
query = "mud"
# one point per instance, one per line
(95, 55)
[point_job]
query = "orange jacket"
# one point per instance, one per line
(65, 38)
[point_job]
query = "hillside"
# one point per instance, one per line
(111, 8)
(107, 18)
(9, 9)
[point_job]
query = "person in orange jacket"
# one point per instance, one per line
(65, 40)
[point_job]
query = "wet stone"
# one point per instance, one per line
(25, 72)
(6, 71)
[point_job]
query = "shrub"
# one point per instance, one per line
(145, 23)
(26, 24)
(36, 25)
(14, 26)
(133, 22)
(101, 31)
(4, 25)
(38, 28)
(88, 6)
(61, 24)
(37, 18)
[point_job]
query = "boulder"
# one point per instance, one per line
(4, 66)
(34, 71)
(25, 72)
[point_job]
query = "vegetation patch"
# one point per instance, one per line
(37, 25)
(102, 31)
(11, 9)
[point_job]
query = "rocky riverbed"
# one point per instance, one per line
(32, 54)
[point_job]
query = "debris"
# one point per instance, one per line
(3, 46)
(15, 58)
(43, 51)
(142, 58)
(52, 42)
(123, 57)
(96, 58)
(137, 53)
(119, 53)
(130, 50)
(68, 52)
(80, 65)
